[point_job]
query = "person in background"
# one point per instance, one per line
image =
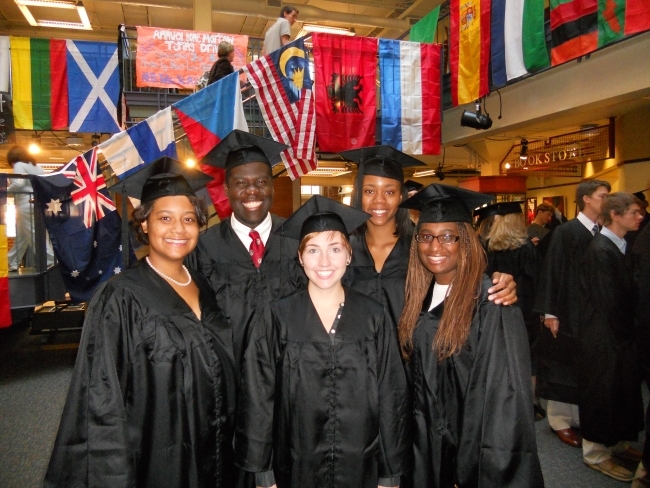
(467, 357)
(323, 388)
(23, 163)
(558, 297)
(537, 229)
(222, 66)
(630, 237)
(611, 406)
(484, 221)
(510, 251)
(279, 34)
(151, 401)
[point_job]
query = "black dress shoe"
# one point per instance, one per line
(540, 413)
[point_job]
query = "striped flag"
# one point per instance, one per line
(574, 29)
(283, 88)
(518, 41)
(620, 18)
(5, 305)
(469, 49)
(40, 83)
(208, 116)
(410, 96)
(143, 143)
(424, 29)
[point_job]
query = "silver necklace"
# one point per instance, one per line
(163, 275)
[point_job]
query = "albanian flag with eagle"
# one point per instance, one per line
(346, 97)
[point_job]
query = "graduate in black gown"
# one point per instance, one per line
(509, 250)
(380, 247)
(609, 379)
(472, 395)
(241, 286)
(151, 401)
(323, 392)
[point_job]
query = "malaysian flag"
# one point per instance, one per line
(283, 87)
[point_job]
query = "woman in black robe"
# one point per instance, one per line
(323, 387)
(380, 247)
(472, 396)
(510, 251)
(151, 397)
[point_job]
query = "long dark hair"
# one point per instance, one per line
(402, 219)
(460, 303)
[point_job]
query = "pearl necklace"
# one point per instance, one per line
(162, 275)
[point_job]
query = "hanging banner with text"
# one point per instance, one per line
(176, 58)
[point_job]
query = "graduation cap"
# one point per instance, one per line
(384, 161)
(442, 203)
(411, 185)
(320, 214)
(640, 196)
(162, 178)
(241, 147)
(501, 208)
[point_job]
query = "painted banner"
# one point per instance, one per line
(176, 58)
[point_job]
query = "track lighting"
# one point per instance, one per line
(95, 140)
(523, 152)
(476, 120)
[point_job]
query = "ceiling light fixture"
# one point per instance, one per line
(426, 172)
(60, 4)
(329, 171)
(507, 165)
(439, 173)
(325, 29)
(523, 152)
(190, 163)
(35, 146)
(476, 120)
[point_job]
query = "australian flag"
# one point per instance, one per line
(87, 254)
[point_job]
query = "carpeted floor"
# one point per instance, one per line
(34, 379)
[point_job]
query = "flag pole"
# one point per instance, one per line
(125, 231)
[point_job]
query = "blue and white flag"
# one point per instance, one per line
(93, 71)
(87, 256)
(143, 143)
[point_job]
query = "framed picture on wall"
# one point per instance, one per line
(531, 204)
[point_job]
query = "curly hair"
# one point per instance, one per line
(464, 289)
(143, 212)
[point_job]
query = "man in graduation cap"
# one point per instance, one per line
(247, 264)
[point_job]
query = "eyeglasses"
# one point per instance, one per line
(444, 239)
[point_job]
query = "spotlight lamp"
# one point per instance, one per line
(523, 152)
(476, 120)
(95, 140)
(35, 146)
(440, 174)
(190, 163)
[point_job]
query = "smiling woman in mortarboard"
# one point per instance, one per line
(323, 387)
(151, 397)
(381, 246)
(472, 396)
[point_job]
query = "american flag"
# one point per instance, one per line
(283, 87)
(89, 182)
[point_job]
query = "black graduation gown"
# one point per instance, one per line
(241, 289)
(472, 412)
(558, 293)
(387, 286)
(611, 407)
(524, 264)
(151, 402)
(327, 410)
(641, 266)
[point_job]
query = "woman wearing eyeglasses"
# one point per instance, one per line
(468, 358)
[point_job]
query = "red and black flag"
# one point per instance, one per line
(346, 97)
(574, 29)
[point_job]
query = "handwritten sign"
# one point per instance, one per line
(176, 58)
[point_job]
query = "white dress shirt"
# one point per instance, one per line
(242, 231)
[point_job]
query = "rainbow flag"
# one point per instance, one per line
(469, 49)
(5, 307)
(40, 83)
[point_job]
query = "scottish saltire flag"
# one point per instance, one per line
(283, 87)
(208, 116)
(518, 41)
(410, 96)
(143, 143)
(90, 182)
(94, 74)
(87, 255)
